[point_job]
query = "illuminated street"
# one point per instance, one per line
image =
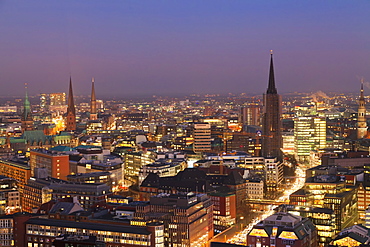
(241, 237)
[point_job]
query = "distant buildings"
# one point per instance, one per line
(202, 137)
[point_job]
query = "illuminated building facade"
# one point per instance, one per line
(356, 235)
(309, 134)
(224, 210)
(45, 231)
(202, 137)
(322, 218)
(86, 193)
(17, 170)
(56, 164)
(255, 189)
(8, 109)
(57, 99)
(133, 161)
(273, 174)
(331, 192)
(363, 195)
(283, 229)
(250, 115)
(187, 217)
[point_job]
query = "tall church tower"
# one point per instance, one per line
(26, 119)
(71, 111)
(93, 114)
(361, 119)
(271, 119)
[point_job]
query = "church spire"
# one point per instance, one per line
(71, 111)
(26, 104)
(361, 118)
(271, 87)
(93, 115)
(27, 121)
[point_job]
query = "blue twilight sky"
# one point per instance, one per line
(135, 47)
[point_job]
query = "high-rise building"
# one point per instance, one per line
(43, 100)
(271, 120)
(93, 114)
(361, 119)
(250, 115)
(57, 99)
(309, 135)
(27, 121)
(202, 137)
(71, 111)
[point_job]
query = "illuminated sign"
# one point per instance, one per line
(288, 235)
(274, 231)
(258, 233)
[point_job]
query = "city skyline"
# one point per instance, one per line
(165, 48)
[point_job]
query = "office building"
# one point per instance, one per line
(309, 135)
(202, 137)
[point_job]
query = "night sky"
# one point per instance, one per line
(135, 48)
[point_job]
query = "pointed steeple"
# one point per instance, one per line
(361, 118)
(27, 121)
(71, 110)
(71, 102)
(93, 115)
(26, 104)
(362, 90)
(271, 87)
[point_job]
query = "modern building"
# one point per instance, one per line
(356, 235)
(309, 135)
(44, 231)
(271, 119)
(329, 191)
(57, 99)
(162, 167)
(20, 171)
(322, 218)
(250, 114)
(202, 137)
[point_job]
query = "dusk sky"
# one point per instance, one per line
(182, 47)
